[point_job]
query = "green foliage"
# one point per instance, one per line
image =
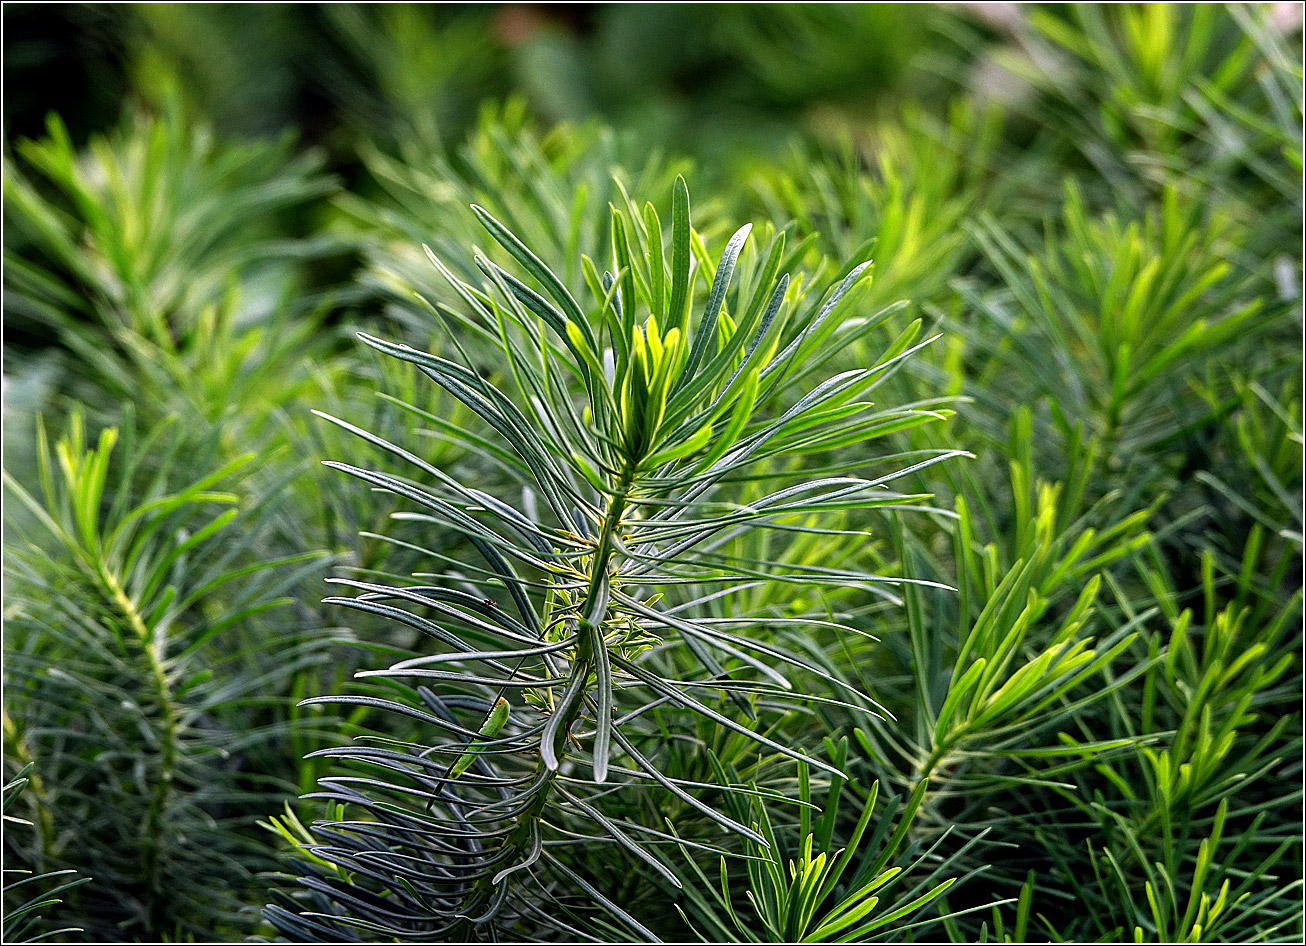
(1152, 55)
(1170, 93)
(131, 673)
(1265, 453)
(26, 899)
(900, 193)
(823, 894)
(1170, 870)
(405, 74)
(136, 253)
(546, 187)
(621, 494)
(667, 619)
(1122, 310)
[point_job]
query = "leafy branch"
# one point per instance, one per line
(624, 501)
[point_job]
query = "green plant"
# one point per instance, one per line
(137, 640)
(546, 187)
(408, 72)
(1256, 127)
(1122, 87)
(1112, 313)
(823, 893)
(1186, 847)
(626, 497)
(1266, 435)
(1067, 684)
(24, 918)
(157, 256)
(898, 191)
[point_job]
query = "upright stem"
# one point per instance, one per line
(520, 838)
(167, 743)
(16, 748)
(929, 801)
(611, 522)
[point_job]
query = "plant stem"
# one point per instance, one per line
(167, 744)
(520, 838)
(16, 748)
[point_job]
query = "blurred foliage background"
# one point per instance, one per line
(1099, 208)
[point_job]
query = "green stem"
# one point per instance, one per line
(518, 841)
(929, 801)
(167, 745)
(16, 748)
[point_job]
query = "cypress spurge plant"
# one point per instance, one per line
(545, 187)
(1157, 93)
(157, 256)
(138, 678)
(628, 421)
(1188, 843)
(901, 196)
(1110, 318)
(819, 887)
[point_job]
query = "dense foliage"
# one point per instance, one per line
(901, 541)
